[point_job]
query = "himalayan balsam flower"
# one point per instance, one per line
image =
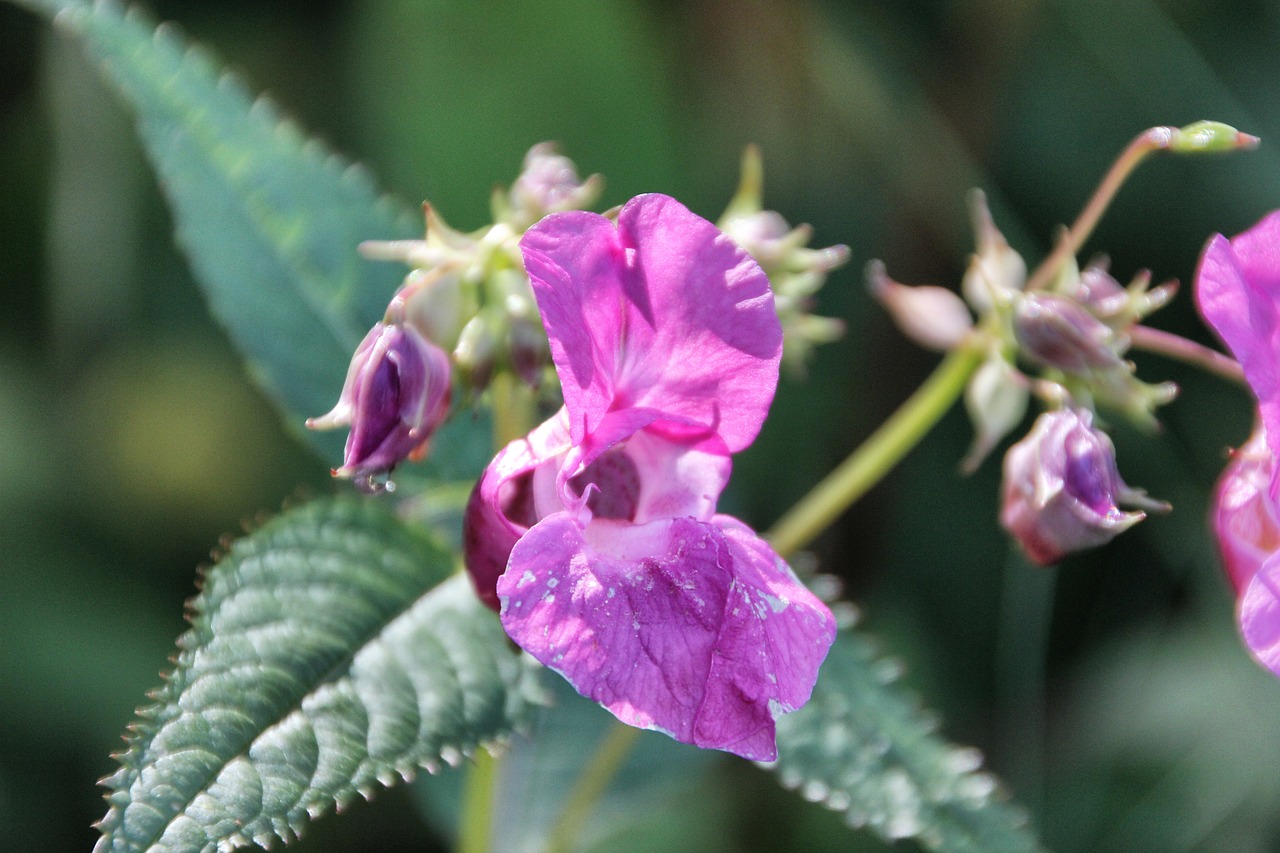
(1062, 489)
(395, 395)
(1247, 522)
(1238, 291)
(597, 534)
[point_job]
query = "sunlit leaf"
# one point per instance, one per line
(330, 652)
(864, 748)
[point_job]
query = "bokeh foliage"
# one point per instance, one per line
(1110, 693)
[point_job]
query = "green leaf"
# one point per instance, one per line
(643, 809)
(269, 218)
(863, 747)
(330, 652)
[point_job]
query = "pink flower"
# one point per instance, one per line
(395, 395)
(1061, 490)
(1246, 521)
(598, 534)
(1238, 291)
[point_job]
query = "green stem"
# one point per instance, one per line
(591, 785)
(513, 414)
(1153, 139)
(514, 409)
(475, 829)
(877, 455)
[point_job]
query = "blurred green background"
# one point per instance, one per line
(1110, 694)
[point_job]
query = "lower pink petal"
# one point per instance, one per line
(691, 628)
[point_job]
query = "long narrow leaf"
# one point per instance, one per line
(329, 653)
(269, 218)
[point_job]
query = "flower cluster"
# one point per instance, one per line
(796, 271)
(1065, 341)
(464, 307)
(597, 534)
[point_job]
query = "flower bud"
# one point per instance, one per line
(1245, 520)
(796, 271)
(1062, 490)
(477, 351)
(395, 395)
(933, 317)
(996, 271)
(996, 399)
(1209, 136)
(548, 183)
(1057, 332)
(435, 303)
(1119, 307)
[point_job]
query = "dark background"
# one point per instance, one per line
(1111, 694)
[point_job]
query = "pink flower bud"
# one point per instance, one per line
(933, 317)
(549, 182)
(395, 395)
(1062, 489)
(1058, 332)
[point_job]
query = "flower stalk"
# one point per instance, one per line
(1194, 138)
(604, 764)
(1187, 351)
(876, 456)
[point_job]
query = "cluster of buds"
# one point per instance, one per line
(1064, 341)
(464, 311)
(796, 272)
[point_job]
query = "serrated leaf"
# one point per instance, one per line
(330, 652)
(863, 747)
(269, 218)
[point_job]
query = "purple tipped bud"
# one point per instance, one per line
(395, 395)
(1058, 332)
(548, 183)
(1098, 291)
(933, 317)
(996, 272)
(1062, 490)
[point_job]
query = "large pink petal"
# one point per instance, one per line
(1238, 291)
(690, 628)
(1259, 614)
(663, 312)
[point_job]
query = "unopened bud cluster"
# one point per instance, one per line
(464, 312)
(796, 271)
(1066, 343)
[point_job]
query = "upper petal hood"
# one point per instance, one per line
(661, 312)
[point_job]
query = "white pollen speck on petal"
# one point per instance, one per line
(777, 605)
(552, 583)
(549, 598)
(527, 578)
